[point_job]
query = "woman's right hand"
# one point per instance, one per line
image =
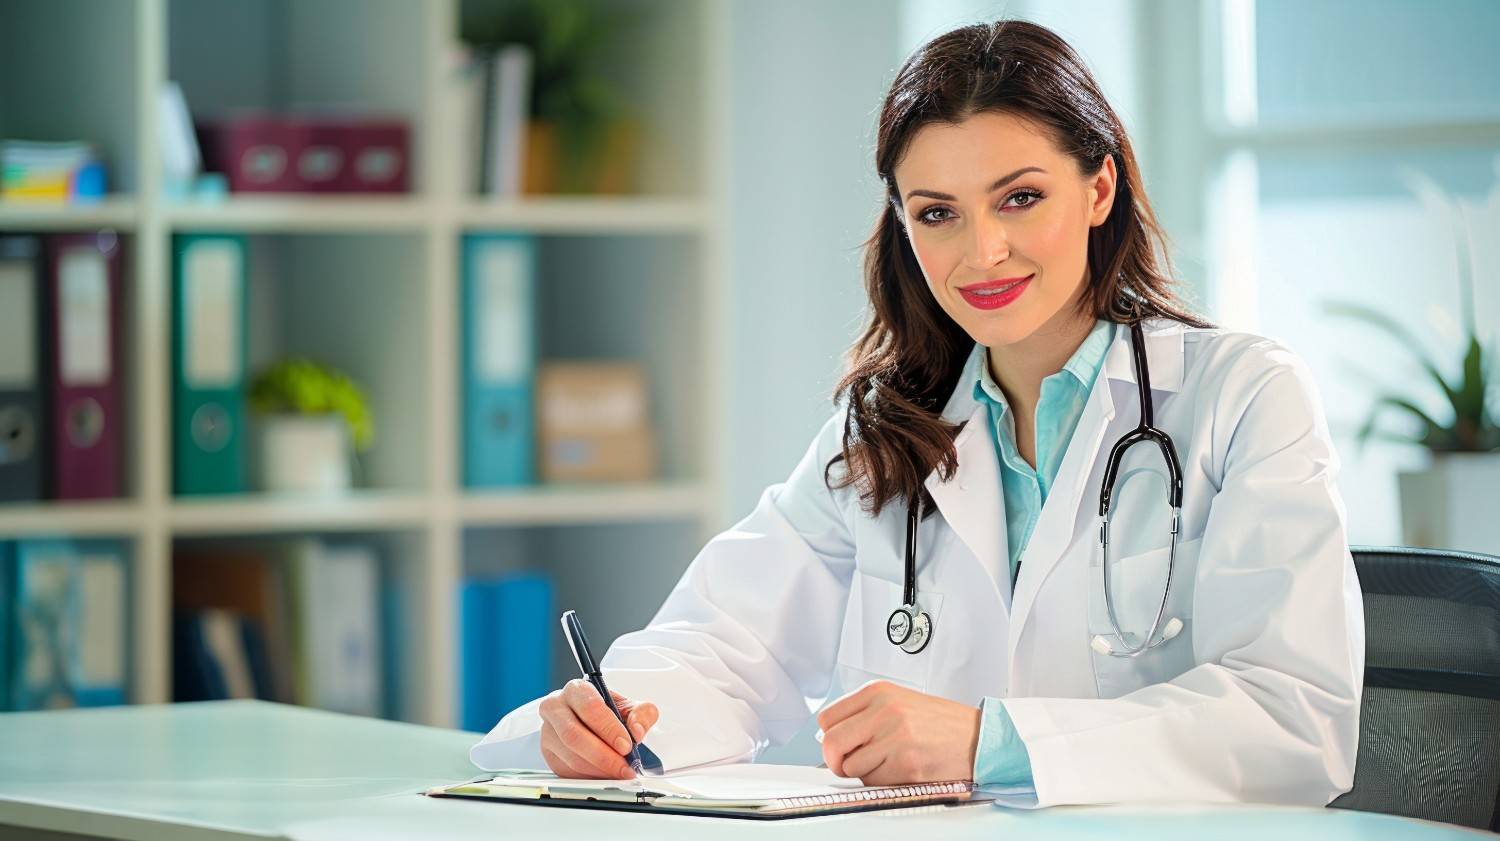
(582, 738)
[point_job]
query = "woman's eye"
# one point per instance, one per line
(925, 216)
(1031, 197)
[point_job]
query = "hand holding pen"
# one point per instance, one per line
(583, 736)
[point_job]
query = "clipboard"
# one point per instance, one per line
(657, 796)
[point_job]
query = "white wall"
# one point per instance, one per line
(1103, 32)
(806, 83)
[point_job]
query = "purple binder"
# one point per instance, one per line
(83, 279)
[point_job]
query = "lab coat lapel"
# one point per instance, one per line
(1055, 529)
(970, 501)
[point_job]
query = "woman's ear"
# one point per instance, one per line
(1102, 192)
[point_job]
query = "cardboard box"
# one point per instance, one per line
(594, 422)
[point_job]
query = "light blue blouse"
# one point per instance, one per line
(1001, 757)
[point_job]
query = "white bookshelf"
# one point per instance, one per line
(638, 276)
(302, 214)
(112, 212)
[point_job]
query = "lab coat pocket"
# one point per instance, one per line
(866, 654)
(1136, 583)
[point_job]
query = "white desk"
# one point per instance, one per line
(245, 769)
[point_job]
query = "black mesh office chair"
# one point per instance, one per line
(1429, 729)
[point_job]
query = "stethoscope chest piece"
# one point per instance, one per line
(910, 628)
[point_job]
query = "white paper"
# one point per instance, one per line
(84, 341)
(101, 597)
(18, 331)
(741, 781)
(503, 336)
(212, 279)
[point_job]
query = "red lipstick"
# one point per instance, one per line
(994, 294)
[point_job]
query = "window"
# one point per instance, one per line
(1336, 128)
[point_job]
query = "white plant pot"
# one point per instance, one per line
(1454, 504)
(305, 454)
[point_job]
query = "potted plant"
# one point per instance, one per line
(578, 140)
(313, 420)
(1455, 501)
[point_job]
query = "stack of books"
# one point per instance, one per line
(295, 621)
(50, 171)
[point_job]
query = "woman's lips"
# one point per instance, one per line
(985, 297)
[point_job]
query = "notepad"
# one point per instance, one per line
(741, 790)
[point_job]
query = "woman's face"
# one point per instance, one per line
(989, 202)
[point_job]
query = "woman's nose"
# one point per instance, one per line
(988, 244)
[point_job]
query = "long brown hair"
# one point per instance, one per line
(906, 362)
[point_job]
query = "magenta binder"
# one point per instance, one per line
(83, 296)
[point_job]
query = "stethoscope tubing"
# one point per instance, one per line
(1145, 431)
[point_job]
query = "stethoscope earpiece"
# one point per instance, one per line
(1101, 643)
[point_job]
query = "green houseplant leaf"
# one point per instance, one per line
(568, 88)
(304, 387)
(1473, 428)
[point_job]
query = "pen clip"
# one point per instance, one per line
(573, 632)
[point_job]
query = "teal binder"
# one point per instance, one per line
(499, 360)
(209, 349)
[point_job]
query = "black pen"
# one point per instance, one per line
(573, 630)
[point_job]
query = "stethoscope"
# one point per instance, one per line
(910, 627)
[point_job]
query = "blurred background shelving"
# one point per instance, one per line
(372, 285)
(1289, 170)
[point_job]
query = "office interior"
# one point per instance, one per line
(564, 344)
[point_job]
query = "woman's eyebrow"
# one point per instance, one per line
(1000, 182)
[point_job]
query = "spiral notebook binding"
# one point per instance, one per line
(912, 793)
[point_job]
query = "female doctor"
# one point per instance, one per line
(939, 549)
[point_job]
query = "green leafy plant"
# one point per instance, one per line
(1476, 425)
(566, 38)
(1474, 428)
(301, 386)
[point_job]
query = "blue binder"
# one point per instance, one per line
(508, 627)
(72, 629)
(499, 359)
(209, 349)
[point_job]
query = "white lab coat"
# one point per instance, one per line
(1256, 700)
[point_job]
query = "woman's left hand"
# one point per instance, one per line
(886, 734)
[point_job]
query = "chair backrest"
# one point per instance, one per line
(1429, 730)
